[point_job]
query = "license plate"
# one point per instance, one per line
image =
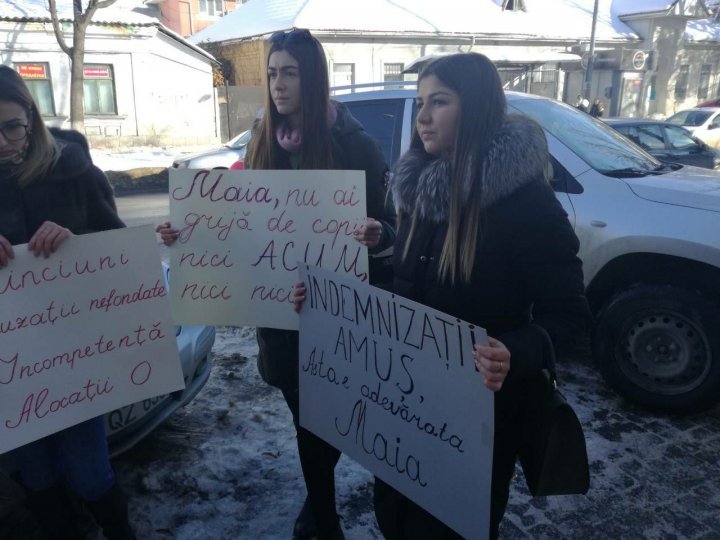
(123, 417)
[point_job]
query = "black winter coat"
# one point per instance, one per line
(74, 194)
(352, 149)
(526, 269)
(526, 275)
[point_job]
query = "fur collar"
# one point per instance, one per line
(517, 156)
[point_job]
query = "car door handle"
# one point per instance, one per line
(599, 224)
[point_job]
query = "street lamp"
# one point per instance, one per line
(591, 56)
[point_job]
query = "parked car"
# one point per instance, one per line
(649, 245)
(703, 123)
(126, 426)
(216, 158)
(667, 142)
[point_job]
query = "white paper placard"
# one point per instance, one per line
(242, 233)
(393, 384)
(83, 332)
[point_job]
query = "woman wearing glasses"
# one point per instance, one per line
(50, 190)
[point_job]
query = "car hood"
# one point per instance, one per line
(216, 150)
(688, 186)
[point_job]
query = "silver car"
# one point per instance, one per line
(648, 242)
(216, 158)
(126, 426)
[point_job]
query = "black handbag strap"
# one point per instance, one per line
(548, 354)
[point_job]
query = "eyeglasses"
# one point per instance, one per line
(14, 132)
(298, 34)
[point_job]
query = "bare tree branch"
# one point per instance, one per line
(105, 3)
(56, 28)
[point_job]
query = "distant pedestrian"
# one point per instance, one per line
(582, 103)
(597, 109)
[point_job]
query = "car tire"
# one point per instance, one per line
(659, 346)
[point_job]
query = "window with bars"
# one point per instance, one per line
(544, 75)
(681, 83)
(704, 82)
(393, 72)
(37, 79)
(513, 5)
(343, 74)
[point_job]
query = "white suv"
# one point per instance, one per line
(650, 245)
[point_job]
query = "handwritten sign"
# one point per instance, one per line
(83, 332)
(393, 384)
(242, 233)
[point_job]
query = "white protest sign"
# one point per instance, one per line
(83, 332)
(242, 233)
(393, 384)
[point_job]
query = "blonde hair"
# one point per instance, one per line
(42, 151)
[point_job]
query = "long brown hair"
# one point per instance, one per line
(264, 152)
(482, 112)
(42, 152)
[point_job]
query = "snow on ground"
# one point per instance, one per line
(226, 465)
(108, 160)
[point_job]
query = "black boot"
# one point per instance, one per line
(52, 513)
(305, 528)
(111, 513)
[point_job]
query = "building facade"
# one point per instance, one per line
(143, 84)
(189, 16)
(649, 60)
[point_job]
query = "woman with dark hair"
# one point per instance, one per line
(303, 129)
(50, 190)
(482, 237)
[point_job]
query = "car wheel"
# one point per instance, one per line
(660, 347)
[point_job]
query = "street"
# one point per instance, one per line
(226, 467)
(143, 209)
(652, 476)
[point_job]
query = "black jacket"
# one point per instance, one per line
(352, 149)
(74, 194)
(526, 270)
(526, 278)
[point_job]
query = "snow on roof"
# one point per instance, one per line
(122, 12)
(127, 12)
(544, 19)
(698, 31)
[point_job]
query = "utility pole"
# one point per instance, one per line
(591, 56)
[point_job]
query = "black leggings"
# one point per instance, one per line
(318, 460)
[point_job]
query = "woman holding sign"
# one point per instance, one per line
(482, 237)
(50, 190)
(303, 129)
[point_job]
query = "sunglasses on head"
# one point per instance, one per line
(297, 34)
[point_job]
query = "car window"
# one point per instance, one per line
(650, 137)
(631, 132)
(600, 146)
(716, 122)
(241, 140)
(382, 119)
(690, 118)
(561, 180)
(680, 139)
